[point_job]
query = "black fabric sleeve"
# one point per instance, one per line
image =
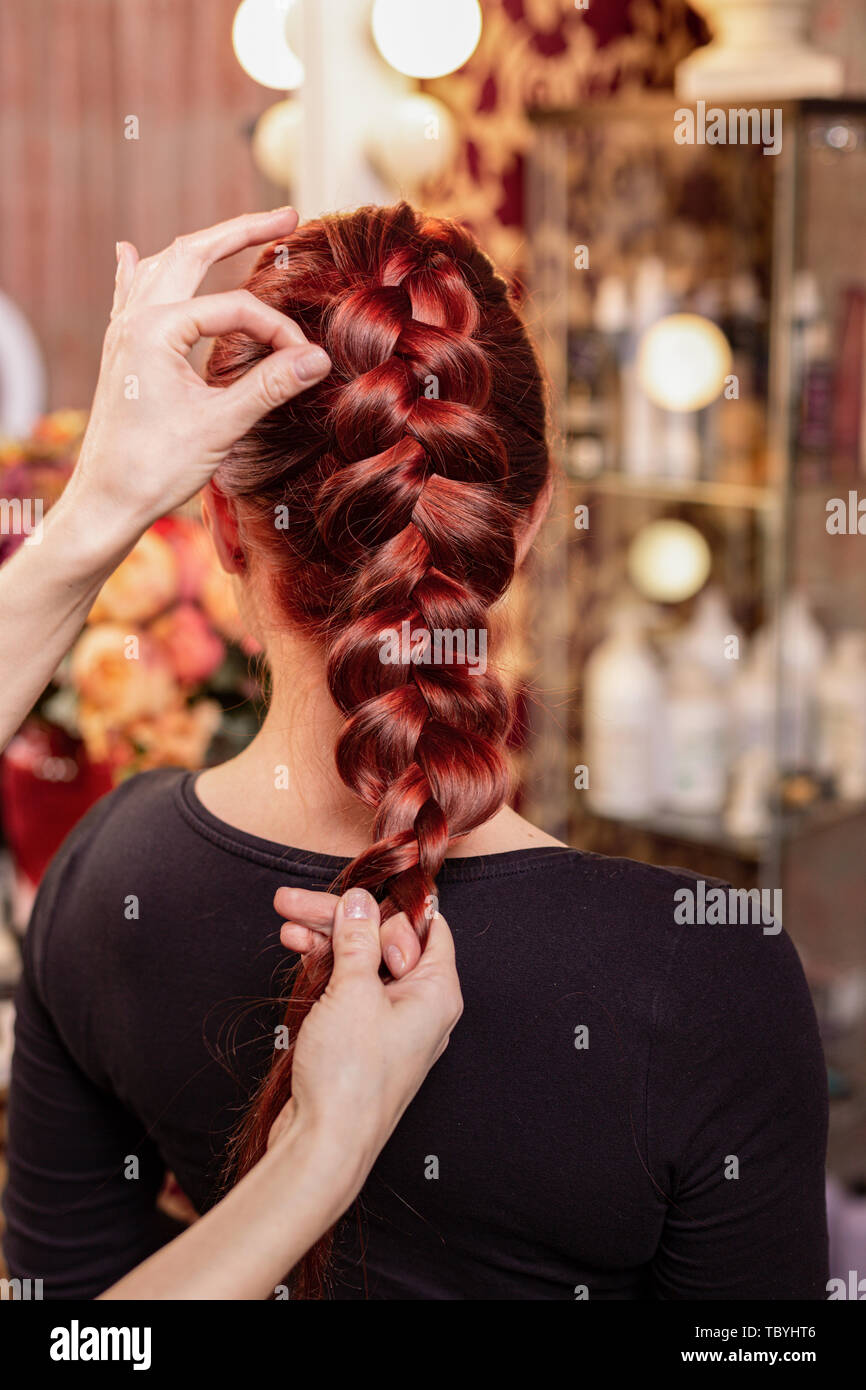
(737, 1121)
(78, 1213)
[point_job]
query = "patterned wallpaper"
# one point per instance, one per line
(544, 54)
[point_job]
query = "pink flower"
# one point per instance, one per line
(193, 551)
(202, 578)
(194, 649)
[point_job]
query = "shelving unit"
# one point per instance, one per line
(611, 179)
(701, 492)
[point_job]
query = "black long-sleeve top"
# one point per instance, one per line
(631, 1106)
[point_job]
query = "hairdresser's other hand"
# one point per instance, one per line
(366, 1045)
(157, 432)
(310, 921)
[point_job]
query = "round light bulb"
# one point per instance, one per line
(261, 47)
(418, 143)
(683, 361)
(426, 38)
(669, 561)
(277, 142)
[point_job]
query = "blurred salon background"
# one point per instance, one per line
(689, 640)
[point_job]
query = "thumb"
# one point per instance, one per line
(271, 382)
(355, 938)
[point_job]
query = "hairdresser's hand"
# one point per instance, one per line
(366, 1046)
(360, 1056)
(310, 922)
(157, 432)
(156, 435)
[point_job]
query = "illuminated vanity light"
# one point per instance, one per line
(276, 145)
(683, 361)
(417, 142)
(426, 38)
(261, 47)
(669, 561)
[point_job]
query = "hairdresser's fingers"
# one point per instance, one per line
(306, 907)
(437, 965)
(127, 260)
(401, 949)
(439, 953)
(357, 952)
(212, 314)
(428, 1002)
(177, 272)
(300, 939)
(310, 917)
(271, 382)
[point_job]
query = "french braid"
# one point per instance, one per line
(406, 474)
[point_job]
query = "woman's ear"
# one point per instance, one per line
(218, 515)
(532, 526)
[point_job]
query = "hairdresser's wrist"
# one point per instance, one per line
(93, 532)
(339, 1162)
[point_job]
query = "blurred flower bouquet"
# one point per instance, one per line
(35, 470)
(163, 659)
(160, 676)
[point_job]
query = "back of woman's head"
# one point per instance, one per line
(386, 504)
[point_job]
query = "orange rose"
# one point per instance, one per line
(143, 585)
(177, 738)
(121, 675)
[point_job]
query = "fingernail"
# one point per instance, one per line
(394, 960)
(117, 249)
(358, 903)
(314, 363)
(287, 207)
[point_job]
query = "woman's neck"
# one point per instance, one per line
(284, 786)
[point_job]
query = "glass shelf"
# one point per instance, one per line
(701, 491)
(625, 229)
(710, 831)
(697, 830)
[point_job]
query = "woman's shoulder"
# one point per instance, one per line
(689, 933)
(626, 889)
(707, 966)
(718, 956)
(622, 890)
(125, 825)
(140, 801)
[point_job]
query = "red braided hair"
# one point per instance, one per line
(406, 474)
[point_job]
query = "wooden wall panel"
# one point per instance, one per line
(71, 185)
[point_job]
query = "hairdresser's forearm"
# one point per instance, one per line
(46, 591)
(245, 1246)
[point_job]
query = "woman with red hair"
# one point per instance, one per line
(625, 1111)
(365, 1050)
